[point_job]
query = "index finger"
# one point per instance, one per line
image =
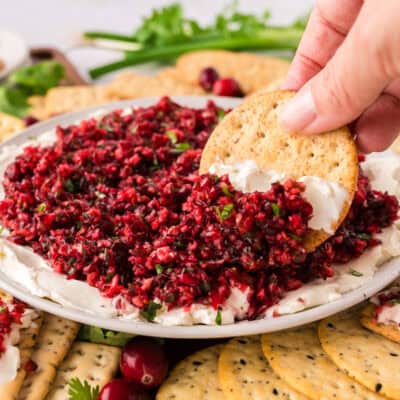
(329, 23)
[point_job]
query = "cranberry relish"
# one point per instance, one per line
(118, 202)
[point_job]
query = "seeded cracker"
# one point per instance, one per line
(244, 373)
(194, 378)
(297, 357)
(10, 390)
(251, 132)
(369, 321)
(54, 341)
(252, 71)
(9, 125)
(370, 359)
(97, 364)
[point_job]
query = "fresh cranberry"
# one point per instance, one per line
(144, 362)
(30, 366)
(30, 120)
(207, 78)
(227, 87)
(121, 389)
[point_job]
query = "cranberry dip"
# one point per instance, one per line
(121, 224)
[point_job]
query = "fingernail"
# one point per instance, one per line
(299, 112)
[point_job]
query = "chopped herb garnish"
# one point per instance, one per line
(78, 390)
(41, 207)
(99, 194)
(364, 236)
(205, 287)
(218, 318)
(79, 225)
(183, 146)
(221, 114)
(226, 211)
(276, 209)
(151, 311)
(295, 237)
(159, 269)
(69, 186)
(2, 309)
(395, 301)
(355, 273)
(226, 191)
(172, 136)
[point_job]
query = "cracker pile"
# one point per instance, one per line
(335, 359)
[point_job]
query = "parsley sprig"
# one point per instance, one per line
(78, 390)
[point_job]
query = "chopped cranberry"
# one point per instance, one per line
(30, 366)
(207, 78)
(30, 120)
(227, 87)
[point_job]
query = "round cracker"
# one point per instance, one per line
(314, 375)
(370, 359)
(244, 373)
(194, 378)
(369, 321)
(252, 132)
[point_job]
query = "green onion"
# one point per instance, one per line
(355, 273)
(276, 209)
(218, 318)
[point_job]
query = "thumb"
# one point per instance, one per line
(354, 77)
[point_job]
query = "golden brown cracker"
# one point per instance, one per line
(252, 132)
(370, 359)
(252, 71)
(9, 125)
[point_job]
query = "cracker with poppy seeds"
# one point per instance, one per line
(9, 126)
(28, 337)
(54, 341)
(97, 364)
(194, 378)
(370, 359)
(368, 320)
(251, 132)
(252, 71)
(314, 375)
(244, 373)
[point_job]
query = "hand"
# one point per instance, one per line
(347, 71)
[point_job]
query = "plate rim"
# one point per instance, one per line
(386, 273)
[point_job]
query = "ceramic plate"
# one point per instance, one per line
(386, 273)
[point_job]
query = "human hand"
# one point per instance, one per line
(347, 71)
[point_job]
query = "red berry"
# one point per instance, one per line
(207, 78)
(144, 362)
(227, 87)
(121, 389)
(30, 366)
(29, 120)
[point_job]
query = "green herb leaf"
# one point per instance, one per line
(183, 146)
(226, 211)
(159, 269)
(395, 301)
(41, 207)
(364, 236)
(226, 191)
(13, 101)
(82, 391)
(97, 335)
(151, 311)
(69, 186)
(355, 273)
(172, 136)
(221, 114)
(205, 287)
(295, 237)
(218, 318)
(2, 309)
(276, 209)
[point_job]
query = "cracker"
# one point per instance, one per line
(94, 363)
(65, 99)
(38, 107)
(371, 359)
(244, 373)
(252, 71)
(297, 357)
(194, 378)
(28, 336)
(9, 126)
(54, 341)
(369, 321)
(130, 85)
(252, 132)
(396, 145)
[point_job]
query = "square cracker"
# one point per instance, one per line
(9, 125)
(10, 390)
(54, 341)
(90, 362)
(369, 321)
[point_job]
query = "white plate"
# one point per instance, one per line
(386, 273)
(13, 52)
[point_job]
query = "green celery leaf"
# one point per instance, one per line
(94, 334)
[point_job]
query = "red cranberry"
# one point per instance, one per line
(121, 389)
(30, 120)
(12, 172)
(207, 78)
(144, 362)
(30, 366)
(227, 87)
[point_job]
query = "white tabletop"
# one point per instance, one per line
(60, 22)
